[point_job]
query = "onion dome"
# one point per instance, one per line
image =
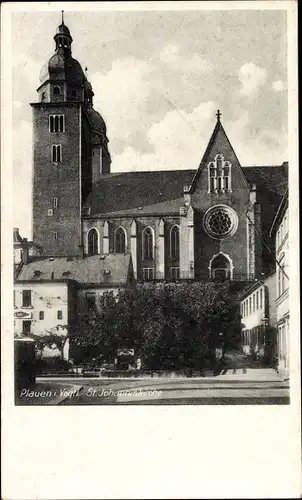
(97, 121)
(62, 30)
(60, 67)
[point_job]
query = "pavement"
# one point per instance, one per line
(243, 386)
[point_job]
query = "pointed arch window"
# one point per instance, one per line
(93, 240)
(219, 175)
(174, 242)
(147, 243)
(120, 240)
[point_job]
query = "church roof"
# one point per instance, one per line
(161, 192)
(107, 270)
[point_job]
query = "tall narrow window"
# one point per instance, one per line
(261, 298)
(257, 299)
(55, 235)
(281, 287)
(41, 315)
(174, 242)
(56, 153)
(147, 244)
(101, 160)
(60, 315)
(120, 241)
(90, 302)
(93, 242)
(26, 298)
(55, 202)
(14, 298)
(212, 170)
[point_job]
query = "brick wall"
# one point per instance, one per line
(60, 181)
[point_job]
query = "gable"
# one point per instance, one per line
(219, 144)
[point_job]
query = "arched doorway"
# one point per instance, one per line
(220, 267)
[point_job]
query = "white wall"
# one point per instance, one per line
(47, 297)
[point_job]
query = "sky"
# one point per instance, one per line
(159, 78)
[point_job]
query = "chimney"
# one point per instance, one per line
(25, 251)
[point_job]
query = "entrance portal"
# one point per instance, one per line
(220, 268)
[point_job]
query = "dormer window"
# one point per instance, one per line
(219, 175)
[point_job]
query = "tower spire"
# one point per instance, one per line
(62, 16)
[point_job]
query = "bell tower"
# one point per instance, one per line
(63, 143)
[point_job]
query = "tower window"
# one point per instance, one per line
(219, 175)
(56, 123)
(74, 94)
(147, 243)
(56, 153)
(55, 202)
(55, 235)
(57, 90)
(50, 212)
(120, 241)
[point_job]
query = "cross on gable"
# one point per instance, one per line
(218, 114)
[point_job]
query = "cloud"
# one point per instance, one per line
(172, 55)
(278, 86)
(251, 78)
(178, 141)
(22, 175)
(122, 95)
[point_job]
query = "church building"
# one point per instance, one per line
(204, 224)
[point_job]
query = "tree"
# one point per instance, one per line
(169, 326)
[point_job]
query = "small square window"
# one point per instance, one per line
(50, 212)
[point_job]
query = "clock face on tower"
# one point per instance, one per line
(220, 222)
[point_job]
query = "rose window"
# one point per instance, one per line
(220, 222)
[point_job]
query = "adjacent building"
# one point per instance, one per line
(259, 319)
(51, 294)
(280, 233)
